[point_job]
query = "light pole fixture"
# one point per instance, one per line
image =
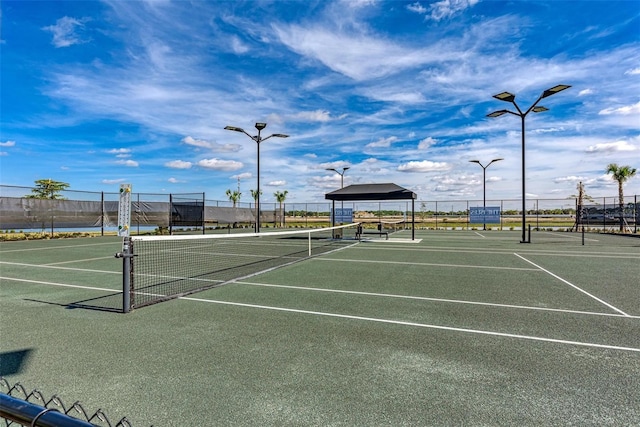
(258, 139)
(341, 186)
(484, 187)
(341, 173)
(509, 97)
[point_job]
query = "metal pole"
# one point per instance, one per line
(413, 219)
(258, 183)
(484, 197)
(524, 194)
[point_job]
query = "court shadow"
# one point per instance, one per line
(110, 303)
(12, 362)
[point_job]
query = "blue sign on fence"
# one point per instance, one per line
(488, 215)
(344, 215)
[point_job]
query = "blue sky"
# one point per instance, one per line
(106, 92)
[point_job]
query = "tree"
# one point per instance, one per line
(621, 174)
(48, 189)
(581, 196)
(234, 196)
(280, 197)
(254, 194)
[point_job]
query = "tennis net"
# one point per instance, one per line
(166, 267)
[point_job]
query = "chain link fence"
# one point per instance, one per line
(98, 211)
(18, 407)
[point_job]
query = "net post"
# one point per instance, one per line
(126, 275)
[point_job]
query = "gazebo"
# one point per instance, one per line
(374, 192)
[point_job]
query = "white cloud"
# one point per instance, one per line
(175, 180)
(237, 46)
(221, 165)
(244, 175)
(211, 145)
(441, 9)
(611, 147)
(112, 181)
(585, 92)
(3, 153)
(129, 163)
(417, 7)
(178, 164)
(426, 143)
(633, 72)
(67, 31)
(625, 110)
(424, 166)
(382, 142)
(119, 151)
(279, 183)
(570, 179)
(7, 144)
(317, 116)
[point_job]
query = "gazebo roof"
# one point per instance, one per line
(370, 192)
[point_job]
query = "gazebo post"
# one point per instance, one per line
(413, 219)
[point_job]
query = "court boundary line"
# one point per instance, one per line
(70, 246)
(65, 285)
(573, 286)
(19, 264)
(306, 288)
(421, 325)
(372, 319)
(453, 301)
(497, 251)
(488, 267)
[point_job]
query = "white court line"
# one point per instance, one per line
(574, 286)
(370, 319)
(77, 260)
(65, 285)
(484, 237)
(57, 247)
(490, 267)
(59, 268)
(505, 251)
(568, 236)
(421, 325)
(410, 297)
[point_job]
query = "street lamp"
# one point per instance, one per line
(509, 97)
(340, 173)
(484, 187)
(341, 186)
(258, 139)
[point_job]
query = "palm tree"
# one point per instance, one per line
(234, 196)
(621, 174)
(254, 195)
(280, 196)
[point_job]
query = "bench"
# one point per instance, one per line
(360, 231)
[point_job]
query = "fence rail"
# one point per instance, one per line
(97, 211)
(20, 407)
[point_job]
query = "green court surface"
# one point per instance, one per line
(455, 328)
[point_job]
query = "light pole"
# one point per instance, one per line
(258, 139)
(509, 97)
(340, 173)
(484, 187)
(341, 186)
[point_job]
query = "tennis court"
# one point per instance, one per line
(454, 328)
